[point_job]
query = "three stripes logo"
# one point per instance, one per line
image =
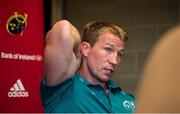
(18, 90)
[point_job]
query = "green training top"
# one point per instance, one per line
(77, 95)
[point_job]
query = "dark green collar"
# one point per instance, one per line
(110, 84)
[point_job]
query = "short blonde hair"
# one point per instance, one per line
(94, 29)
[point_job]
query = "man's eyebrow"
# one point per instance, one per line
(123, 50)
(113, 46)
(109, 44)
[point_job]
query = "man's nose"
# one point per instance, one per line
(114, 59)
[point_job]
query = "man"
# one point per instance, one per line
(77, 74)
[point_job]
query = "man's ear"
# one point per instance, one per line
(85, 47)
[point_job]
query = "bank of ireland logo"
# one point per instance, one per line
(129, 105)
(18, 90)
(16, 24)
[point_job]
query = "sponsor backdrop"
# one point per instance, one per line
(21, 55)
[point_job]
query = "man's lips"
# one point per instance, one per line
(109, 70)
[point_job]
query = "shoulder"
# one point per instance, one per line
(66, 83)
(128, 95)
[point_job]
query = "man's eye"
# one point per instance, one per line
(121, 54)
(108, 49)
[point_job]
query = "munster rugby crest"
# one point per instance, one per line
(16, 24)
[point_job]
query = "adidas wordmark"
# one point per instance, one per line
(18, 90)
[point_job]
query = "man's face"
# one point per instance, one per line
(104, 57)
